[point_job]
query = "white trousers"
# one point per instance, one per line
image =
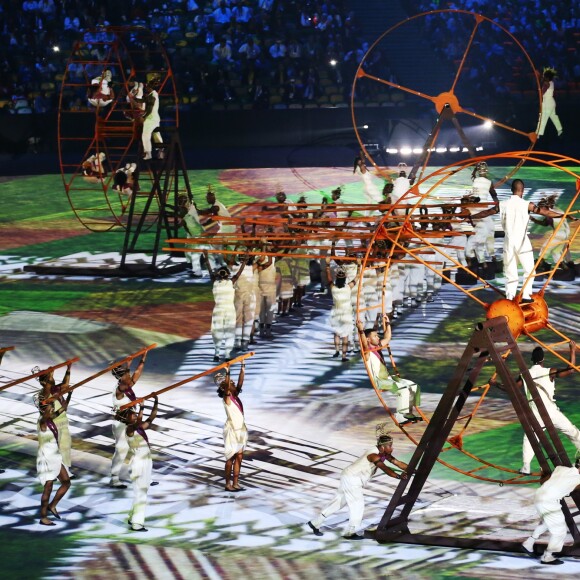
(245, 303)
(406, 395)
(350, 493)
(121, 451)
(554, 522)
(223, 328)
(140, 489)
(549, 113)
(511, 255)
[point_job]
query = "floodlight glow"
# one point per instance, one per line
(392, 151)
(406, 151)
(333, 62)
(56, 48)
(441, 150)
(454, 149)
(417, 150)
(488, 125)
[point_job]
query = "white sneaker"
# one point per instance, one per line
(147, 156)
(528, 545)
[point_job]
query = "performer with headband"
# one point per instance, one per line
(353, 480)
(141, 462)
(123, 394)
(407, 392)
(49, 389)
(49, 460)
(235, 430)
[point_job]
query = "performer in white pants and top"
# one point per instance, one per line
(151, 118)
(245, 303)
(514, 213)
(353, 480)
(548, 103)
(544, 379)
(407, 392)
(123, 394)
(562, 482)
(141, 463)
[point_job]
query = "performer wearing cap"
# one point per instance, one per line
(354, 478)
(341, 316)
(141, 462)
(235, 430)
(49, 389)
(562, 482)
(407, 392)
(49, 460)
(544, 380)
(123, 394)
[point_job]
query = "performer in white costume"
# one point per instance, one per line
(151, 118)
(562, 482)
(544, 379)
(245, 303)
(407, 392)
(353, 480)
(235, 430)
(266, 272)
(548, 103)
(50, 389)
(514, 213)
(481, 244)
(217, 208)
(342, 315)
(400, 187)
(141, 463)
(49, 463)
(223, 319)
(123, 394)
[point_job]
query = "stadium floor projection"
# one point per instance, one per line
(309, 414)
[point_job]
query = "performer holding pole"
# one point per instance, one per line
(52, 393)
(235, 430)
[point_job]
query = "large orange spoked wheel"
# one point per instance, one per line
(491, 75)
(99, 127)
(425, 232)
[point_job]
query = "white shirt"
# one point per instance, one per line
(514, 219)
(561, 483)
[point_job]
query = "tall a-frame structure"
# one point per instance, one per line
(491, 340)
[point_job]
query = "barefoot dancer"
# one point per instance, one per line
(235, 430)
(49, 464)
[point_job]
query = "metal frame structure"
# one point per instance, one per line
(491, 341)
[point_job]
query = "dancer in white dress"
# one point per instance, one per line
(49, 463)
(223, 319)
(562, 482)
(123, 394)
(407, 392)
(545, 381)
(51, 389)
(353, 480)
(235, 430)
(342, 315)
(141, 463)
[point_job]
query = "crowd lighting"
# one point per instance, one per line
(333, 62)
(56, 48)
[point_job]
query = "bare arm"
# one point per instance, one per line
(555, 372)
(486, 212)
(241, 376)
(328, 274)
(376, 459)
(239, 272)
(363, 339)
(139, 368)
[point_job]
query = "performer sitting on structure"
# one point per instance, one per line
(544, 379)
(562, 482)
(93, 166)
(407, 392)
(353, 480)
(100, 93)
(124, 180)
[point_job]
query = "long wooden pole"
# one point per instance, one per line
(102, 372)
(180, 383)
(39, 373)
